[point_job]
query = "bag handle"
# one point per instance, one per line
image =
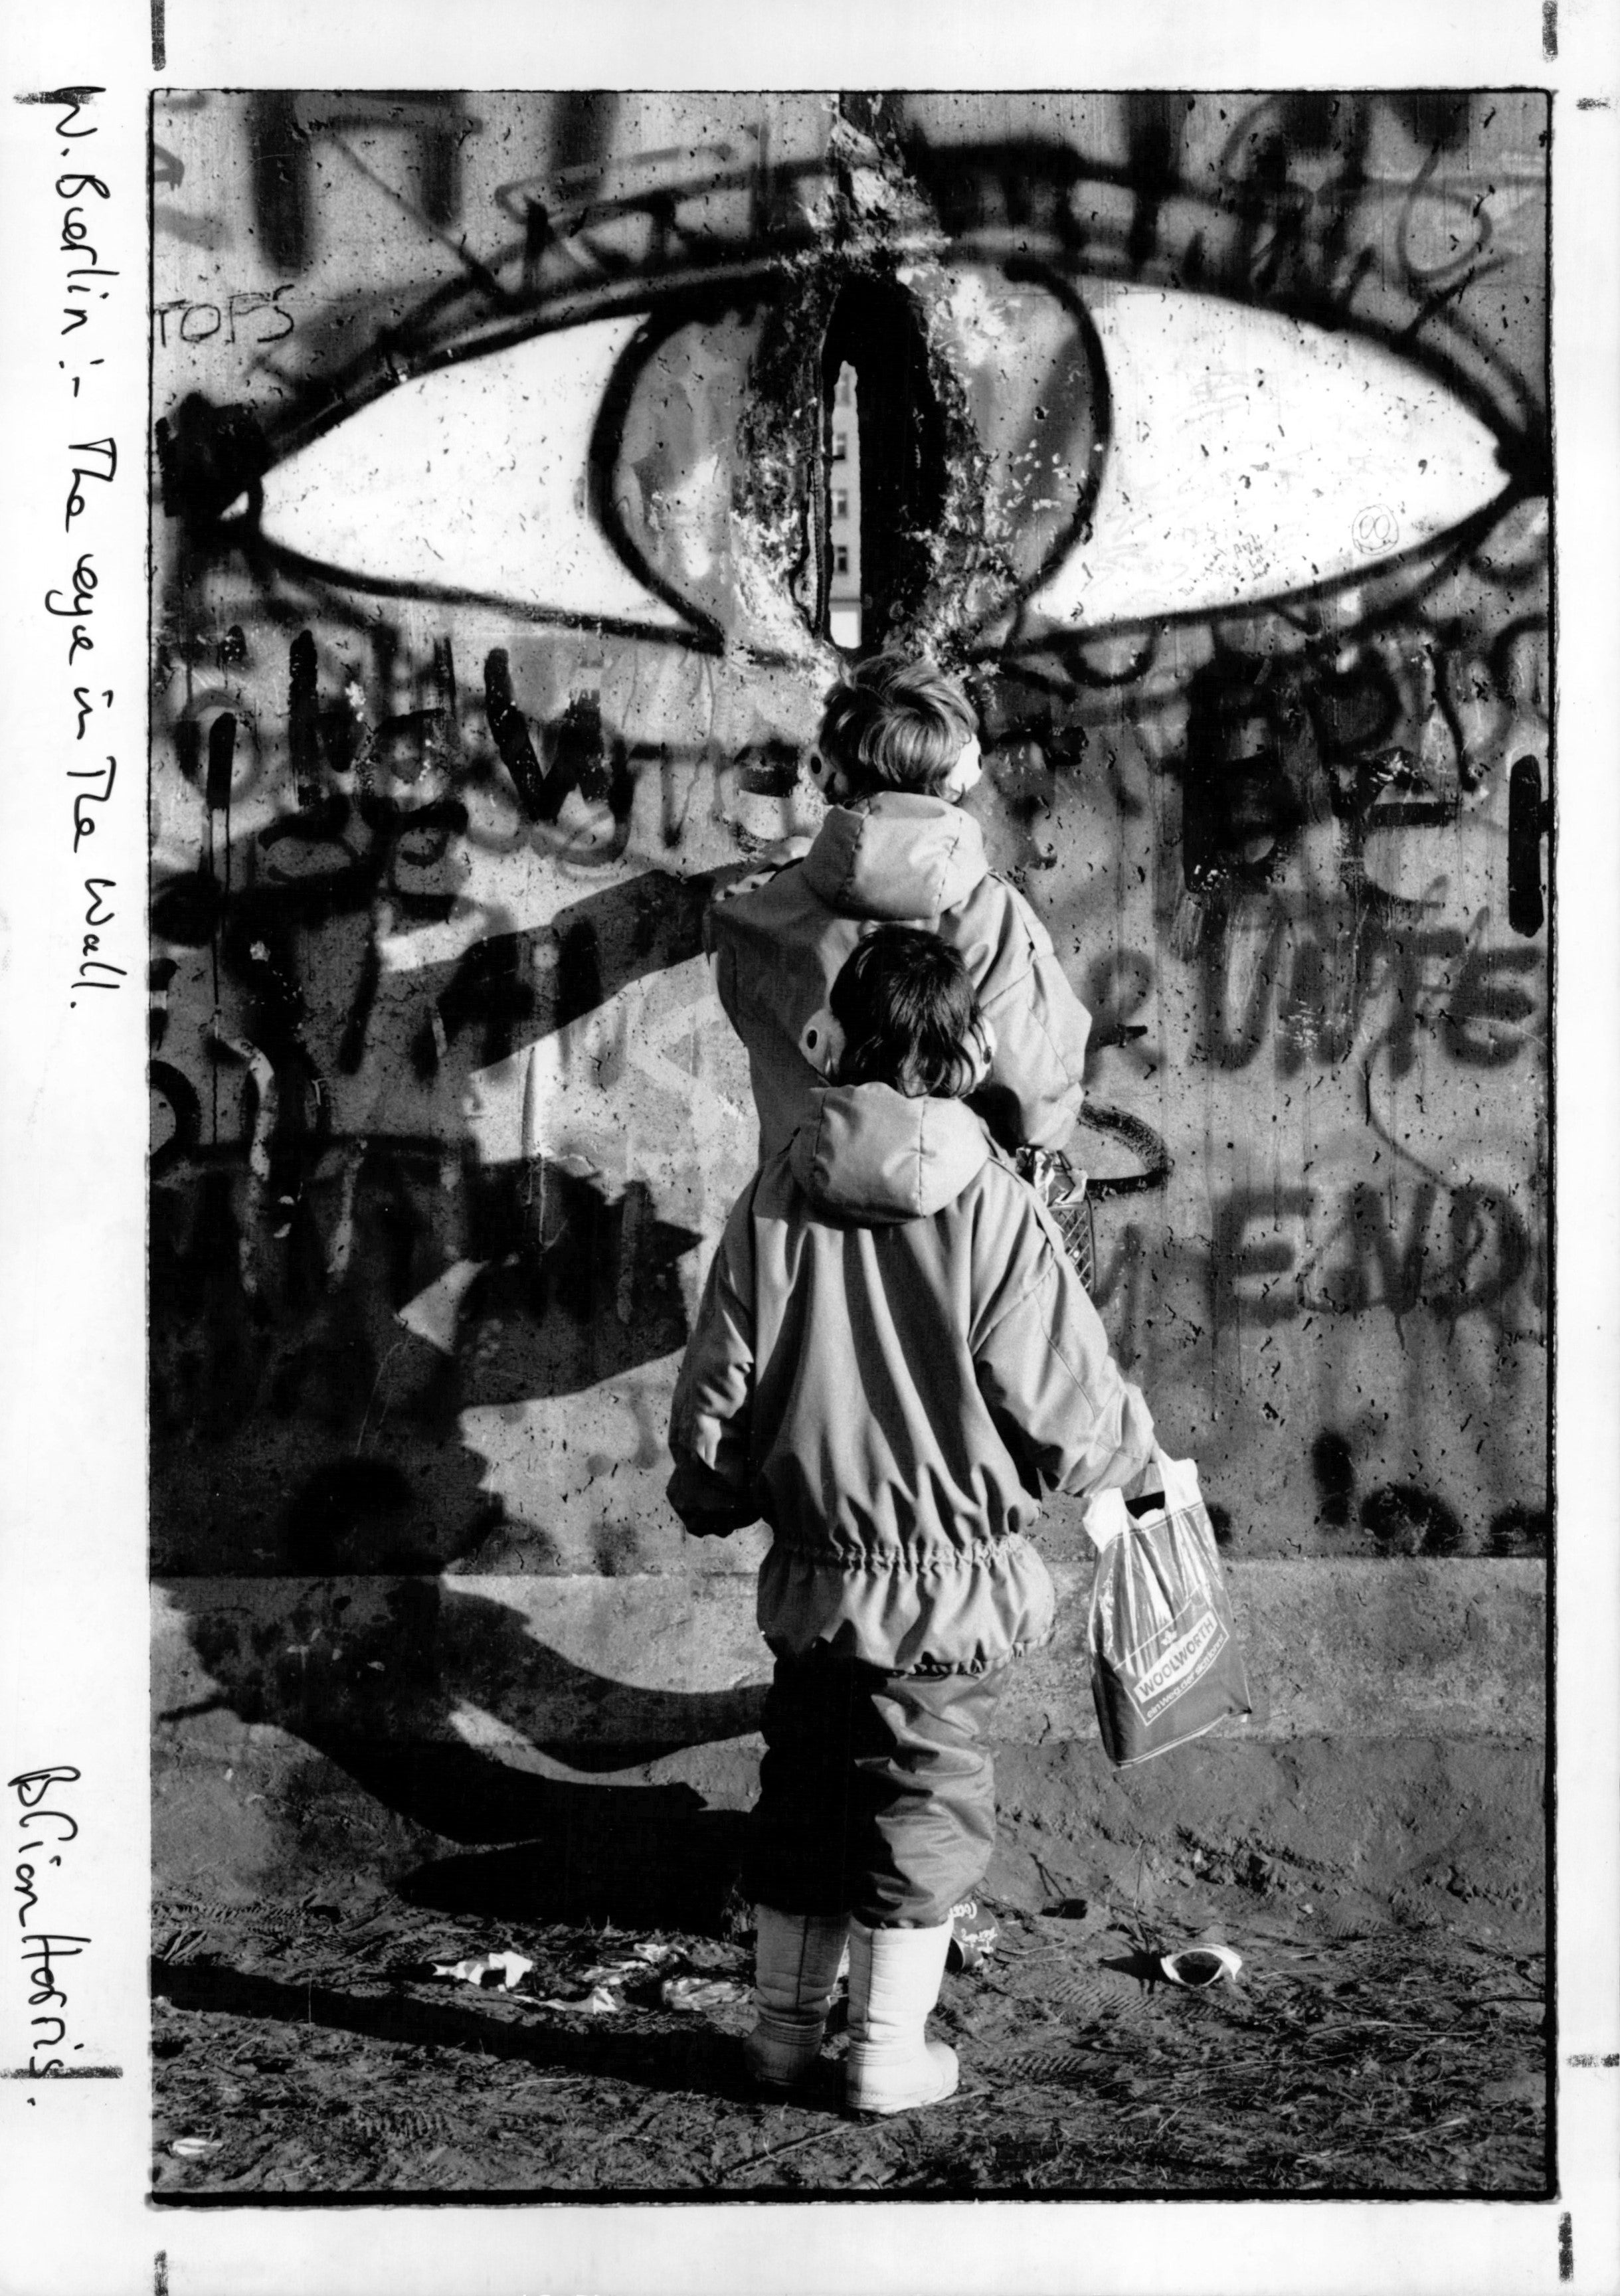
(1178, 1487)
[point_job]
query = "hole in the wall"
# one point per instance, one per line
(842, 512)
(884, 451)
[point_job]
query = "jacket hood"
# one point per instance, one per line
(869, 1154)
(899, 855)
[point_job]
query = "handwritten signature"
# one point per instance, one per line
(44, 1949)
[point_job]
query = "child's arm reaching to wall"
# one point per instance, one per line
(712, 1487)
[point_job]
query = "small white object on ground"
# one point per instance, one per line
(509, 1967)
(700, 1992)
(601, 2001)
(1197, 1966)
(191, 2148)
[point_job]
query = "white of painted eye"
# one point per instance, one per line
(471, 477)
(1253, 454)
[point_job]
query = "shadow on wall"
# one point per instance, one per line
(389, 1683)
(281, 1261)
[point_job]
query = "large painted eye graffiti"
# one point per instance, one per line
(466, 483)
(647, 456)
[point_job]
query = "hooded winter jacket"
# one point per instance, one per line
(893, 1365)
(779, 945)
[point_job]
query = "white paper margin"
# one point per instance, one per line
(73, 1644)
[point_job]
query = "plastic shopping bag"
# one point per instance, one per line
(1165, 1666)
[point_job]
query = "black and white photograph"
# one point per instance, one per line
(839, 1400)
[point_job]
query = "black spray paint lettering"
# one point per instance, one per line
(1237, 1258)
(199, 322)
(1482, 1251)
(102, 450)
(284, 129)
(1481, 1027)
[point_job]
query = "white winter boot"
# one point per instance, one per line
(796, 1960)
(894, 1981)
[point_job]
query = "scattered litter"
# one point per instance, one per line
(192, 2148)
(700, 1992)
(601, 2001)
(1197, 1966)
(482, 1968)
(974, 1936)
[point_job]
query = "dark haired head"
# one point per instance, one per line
(908, 1015)
(897, 722)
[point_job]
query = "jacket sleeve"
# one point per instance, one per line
(719, 934)
(712, 1486)
(721, 955)
(1037, 1080)
(1071, 1420)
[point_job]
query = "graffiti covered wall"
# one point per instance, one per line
(1205, 435)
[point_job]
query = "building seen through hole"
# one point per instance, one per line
(843, 517)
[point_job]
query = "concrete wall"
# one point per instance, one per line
(584, 1746)
(600, 1674)
(475, 674)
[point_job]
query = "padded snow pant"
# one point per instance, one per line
(876, 1792)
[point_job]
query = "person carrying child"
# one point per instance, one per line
(898, 751)
(893, 1365)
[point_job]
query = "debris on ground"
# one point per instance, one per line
(1196, 1966)
(479, 1970)
(602, 2001)
(701, 1992)
(1362, 2055)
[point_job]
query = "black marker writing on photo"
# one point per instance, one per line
(38, 1859)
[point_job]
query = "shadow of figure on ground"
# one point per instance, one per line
(395, 1683)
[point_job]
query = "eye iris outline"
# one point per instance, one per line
(720, 281)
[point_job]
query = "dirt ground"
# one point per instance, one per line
(1367, 2047)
